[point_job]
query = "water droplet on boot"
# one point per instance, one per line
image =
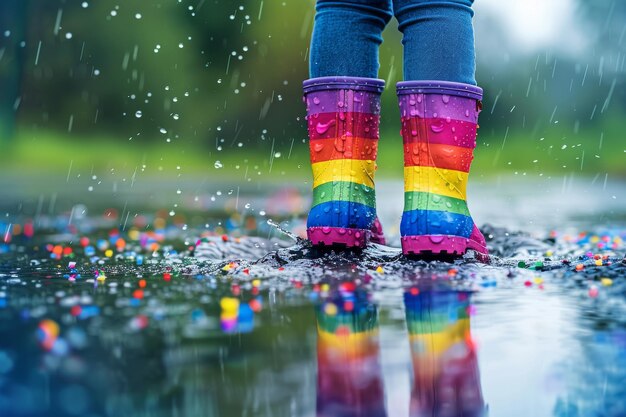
(437, 128)
(436, 239)
(445, 98)
(322, 128)
(316, 100)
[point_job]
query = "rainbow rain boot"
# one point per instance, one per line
(343, 116)
(439, 121)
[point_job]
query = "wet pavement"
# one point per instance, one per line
(186, 298)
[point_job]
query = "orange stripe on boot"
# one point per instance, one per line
(349, 147)
(438, 155)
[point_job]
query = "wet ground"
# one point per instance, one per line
(140, 297)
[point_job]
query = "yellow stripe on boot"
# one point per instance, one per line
(446, 182)
(352, 170)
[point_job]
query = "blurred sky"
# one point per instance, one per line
(531, 25)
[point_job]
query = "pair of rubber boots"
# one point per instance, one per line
(439, 122)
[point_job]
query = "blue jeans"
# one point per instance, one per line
(438, 38)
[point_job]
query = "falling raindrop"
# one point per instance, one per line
(138, 114)
(218, 164)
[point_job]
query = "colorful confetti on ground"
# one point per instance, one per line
(83, 300)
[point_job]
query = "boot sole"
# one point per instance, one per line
(442, 246)
(340, 237)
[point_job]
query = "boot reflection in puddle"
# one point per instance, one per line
(349, 382)
(446, 380)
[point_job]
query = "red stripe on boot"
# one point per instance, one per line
(438, 130)
(349, 147)
(335, 125)
(438, 155)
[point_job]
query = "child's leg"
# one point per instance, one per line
(343, 112)
(439, 105)
(438, 39)
(346, 37)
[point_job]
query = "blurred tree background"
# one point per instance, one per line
(212, 83)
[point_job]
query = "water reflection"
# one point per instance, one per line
(446, 378)
(349, 381)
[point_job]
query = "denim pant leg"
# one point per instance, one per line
(346, 37)
(438, 39)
